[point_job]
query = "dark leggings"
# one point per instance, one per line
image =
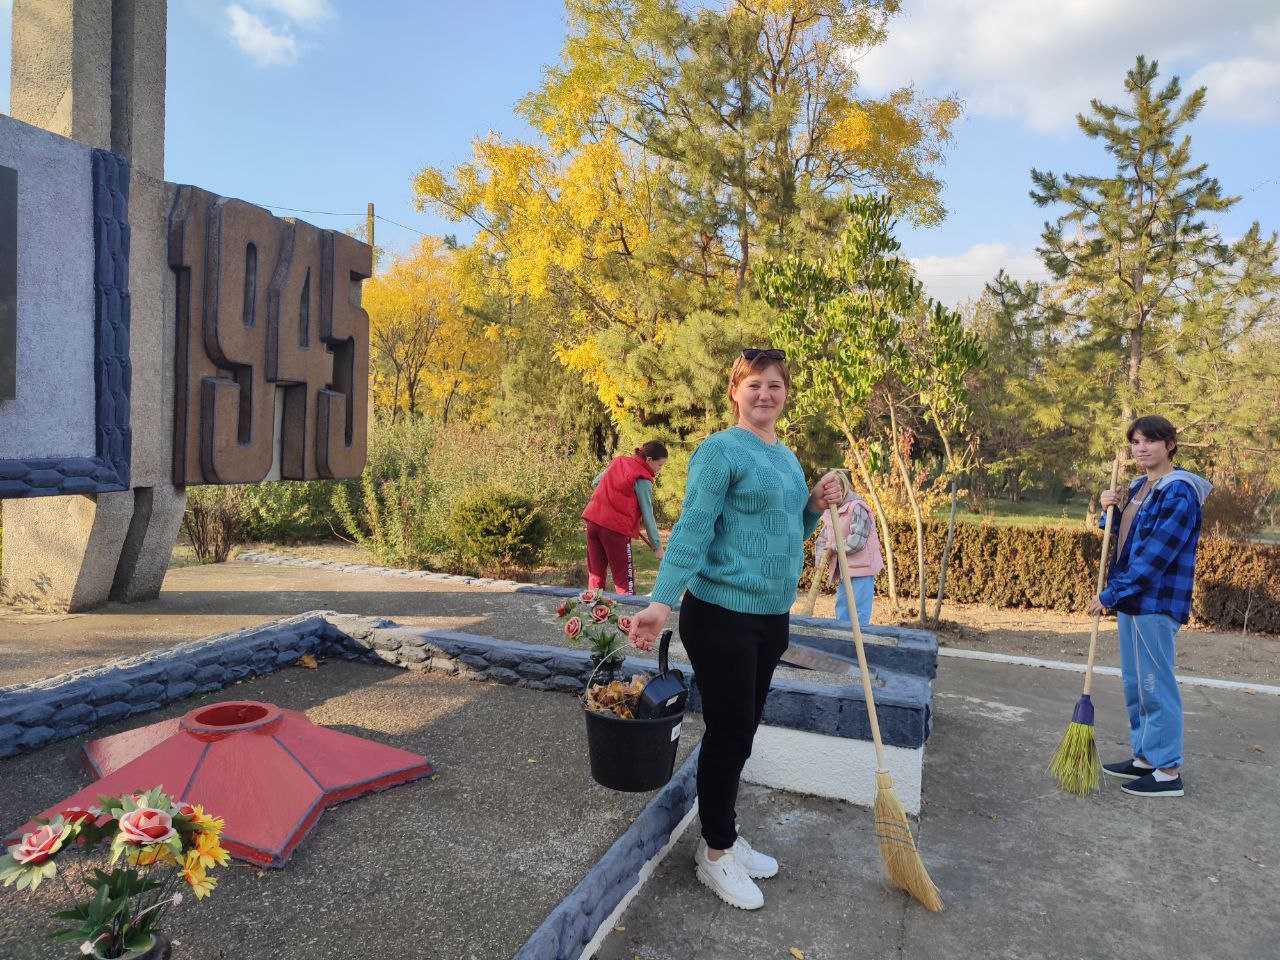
(733, 657)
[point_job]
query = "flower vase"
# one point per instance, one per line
(158, 949)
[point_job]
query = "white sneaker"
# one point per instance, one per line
(759, 866)
(727, 878)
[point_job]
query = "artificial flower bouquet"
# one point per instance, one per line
(593, 617)
(151, 845)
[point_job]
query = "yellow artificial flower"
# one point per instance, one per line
(148, 856)
(201, 885)
(209, 851)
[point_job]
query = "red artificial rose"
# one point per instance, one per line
(186, 810)
(562, 609)
(147, 825)
(625, 624)
(37, 846)
(573, 628)
(76, 814)
(599, 613)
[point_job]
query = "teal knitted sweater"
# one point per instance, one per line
(739, 542)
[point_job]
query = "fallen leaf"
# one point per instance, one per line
(797, 953)
(1252, 859)
(620, 929)
(1259, 750)
(1251, 693)
(261, 874)
(308, 661)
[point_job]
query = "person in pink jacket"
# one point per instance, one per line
(858, 528)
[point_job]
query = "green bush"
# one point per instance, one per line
(390, 518)
(1056, 568)
(289, 510)
(496, 530)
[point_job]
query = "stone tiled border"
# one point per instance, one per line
(577, 919)
(32, 715)
(108, 471)
(893, 648)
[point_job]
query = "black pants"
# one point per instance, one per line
(733, 657)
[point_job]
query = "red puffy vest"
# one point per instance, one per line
(614, 505)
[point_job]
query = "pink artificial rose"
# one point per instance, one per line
(588, 596)
(147, 825)
(76, 814)
(608, 602)
(186, 810)
(37, 846)
(573, 628)
(624, 623)
(599, 613)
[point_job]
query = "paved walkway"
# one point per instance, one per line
(1027, 872)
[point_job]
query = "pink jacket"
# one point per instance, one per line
(867, 562)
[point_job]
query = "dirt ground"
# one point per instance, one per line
(1031, 633)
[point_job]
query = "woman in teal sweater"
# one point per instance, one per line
(735, 556)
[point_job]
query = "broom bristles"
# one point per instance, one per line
(1076, 766)
(898, 848)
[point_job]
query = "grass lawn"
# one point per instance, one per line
(1028, 513)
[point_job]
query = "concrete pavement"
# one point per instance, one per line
(1027, 872)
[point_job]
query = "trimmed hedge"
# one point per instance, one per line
(1055, 568)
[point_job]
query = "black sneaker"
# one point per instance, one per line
(1125, 770)
(1149, 786)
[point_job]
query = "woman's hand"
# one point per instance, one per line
(659, 552)
(647, 624)
(1096, 609)
(1109, 499)
(827, 492)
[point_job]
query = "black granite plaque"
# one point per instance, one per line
(8, 282)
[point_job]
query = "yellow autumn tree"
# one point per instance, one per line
(680, 144)
(430, 350)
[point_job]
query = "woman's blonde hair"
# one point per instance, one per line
(743, 368)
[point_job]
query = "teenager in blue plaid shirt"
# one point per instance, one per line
(1149, 587)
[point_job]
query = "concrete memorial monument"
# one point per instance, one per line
(152, 336)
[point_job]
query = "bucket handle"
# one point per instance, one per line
(664, 644)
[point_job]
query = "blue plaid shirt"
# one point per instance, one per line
(1155, 569)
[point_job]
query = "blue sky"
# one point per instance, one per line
(329, 104)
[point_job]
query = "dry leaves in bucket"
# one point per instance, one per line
(617, 697)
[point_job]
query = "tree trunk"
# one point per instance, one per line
(946, 551)
(915, 508)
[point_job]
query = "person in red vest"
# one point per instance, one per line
(623, 498)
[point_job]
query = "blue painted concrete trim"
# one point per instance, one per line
(575, 920)
(108, 470)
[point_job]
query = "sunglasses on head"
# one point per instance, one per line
(754, 354)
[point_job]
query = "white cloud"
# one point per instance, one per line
(1042, 63)
(267, 46)
(304, 12)
(957, 278)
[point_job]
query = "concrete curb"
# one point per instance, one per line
(33, 715)
(1068, 667)
(572, 930)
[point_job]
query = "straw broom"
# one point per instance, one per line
(897, 846)
(1076, 766)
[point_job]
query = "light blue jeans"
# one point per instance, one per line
(864, 594)
(1150, 688)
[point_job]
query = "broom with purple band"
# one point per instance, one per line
(1076, 766)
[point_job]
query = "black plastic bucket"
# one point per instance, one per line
(632, 755)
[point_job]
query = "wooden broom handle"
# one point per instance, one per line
(819, 569)
(1102, 579)
(843, 559)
